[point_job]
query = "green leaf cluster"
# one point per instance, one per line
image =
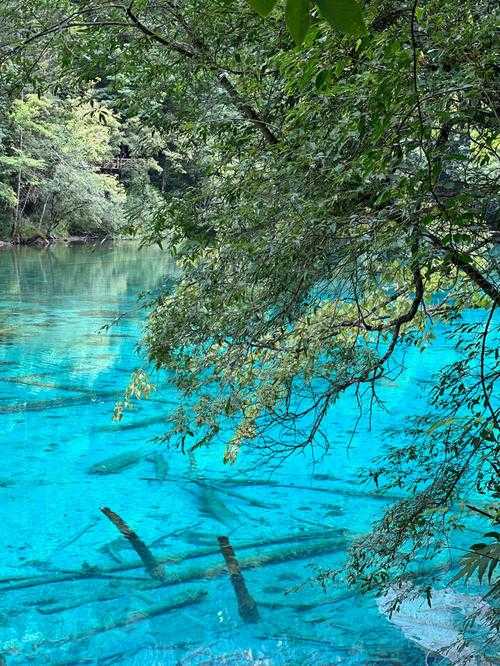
(346, 16)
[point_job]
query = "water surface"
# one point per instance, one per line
(67, 594)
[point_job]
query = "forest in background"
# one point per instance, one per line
(330, 192)
(78, 166)
(58, 169)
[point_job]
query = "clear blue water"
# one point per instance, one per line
(60, 375)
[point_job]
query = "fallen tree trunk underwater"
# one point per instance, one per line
(50, 605)
(246, 603)
(333, 490)
(90, 572)
(131, 618)
(34, 380)
(231, 493)
(207, 573)
(56, 403)
(152, 566)
(160, 465)
(117, 463)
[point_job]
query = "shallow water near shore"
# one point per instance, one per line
(68, 596)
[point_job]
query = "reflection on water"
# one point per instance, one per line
(74, 590)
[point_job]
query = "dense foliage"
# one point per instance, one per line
(49, 168)
(55, 176)
(335, 202)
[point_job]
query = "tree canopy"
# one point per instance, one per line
(330, 203)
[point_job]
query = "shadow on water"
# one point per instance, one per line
(80, 587)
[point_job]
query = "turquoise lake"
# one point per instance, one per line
(68, 596)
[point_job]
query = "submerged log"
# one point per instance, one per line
(231, 493)
(77, 602)
(212, 506)
(153, 567)
(207, 573)
(132, 618)
(96, 572)
(277, 557)
(76, 536)
(34, 380)
(246, 603)
(56, 403)
(113, 549)
(333, 490)
(132, 425)
(117, 463)
(160, 465)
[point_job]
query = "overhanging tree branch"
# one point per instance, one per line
(246, 110)
(183, 49)
(188, 51)
(458, 260)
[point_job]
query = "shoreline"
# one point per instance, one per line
(41, 243)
